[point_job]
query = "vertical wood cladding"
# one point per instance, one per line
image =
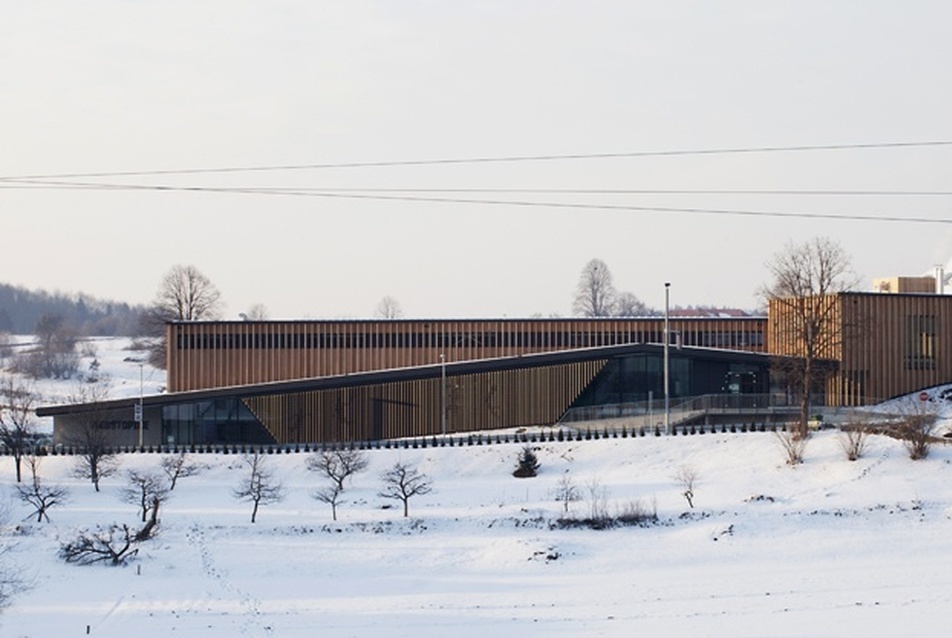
(480, 401)
(203, 355)
(891, 344)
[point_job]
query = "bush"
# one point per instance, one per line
(853, 441)
(527, 465)
(916, 433)
(794, 446)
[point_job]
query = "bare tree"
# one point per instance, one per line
(145, 490)
(177, 466)
(95, 459)
(40, 497)
(595, 293)
(185, 294)
(257, 312)
(337, 466)
(388, 308)
(686, 478)
(6, 346)
(628, 305)
(566, 492)
(95, 456)
(259, 485)
(402, 482)
(330, 494)
(807, 279)
(113, 545)
(17, 401)
(53, 356)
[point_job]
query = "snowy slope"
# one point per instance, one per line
(112, 359)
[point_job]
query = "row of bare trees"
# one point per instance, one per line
(337, 467)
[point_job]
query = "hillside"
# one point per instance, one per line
(21, 308)
(827, 548)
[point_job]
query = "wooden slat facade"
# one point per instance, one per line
(891, 344)
(205, 355)
(502, 398)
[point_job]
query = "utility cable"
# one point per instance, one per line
(504, 159)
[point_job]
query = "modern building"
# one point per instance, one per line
(310, 381)
(322, 381)
(882, 345)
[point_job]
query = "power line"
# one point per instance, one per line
(517, 203)
(504, 159)
(39, 184)
(660, 209)
(633, 191)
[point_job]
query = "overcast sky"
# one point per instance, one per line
(108, 86)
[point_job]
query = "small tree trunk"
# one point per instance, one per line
(146, 532)
(254, 512)
(94, 474)
(405, 508)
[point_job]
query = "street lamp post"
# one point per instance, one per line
(141, 409)
(443, 393)
(667, 394)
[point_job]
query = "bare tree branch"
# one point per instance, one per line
(595, 293)
(39, 496)
(809, 326)
(146, 490)
(111, 545)
(177, 466)
(259, 485)
(17, 401)
(403, 482)
(337, 466)
(96, 459)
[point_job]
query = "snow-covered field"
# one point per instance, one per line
(828, 548)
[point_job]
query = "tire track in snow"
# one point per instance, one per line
(250, 606)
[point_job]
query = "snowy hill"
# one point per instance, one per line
(827, 548)
(111, 359)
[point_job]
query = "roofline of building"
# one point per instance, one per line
(239, 322)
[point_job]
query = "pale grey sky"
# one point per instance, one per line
(107, 86)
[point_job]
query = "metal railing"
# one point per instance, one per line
(741, 407)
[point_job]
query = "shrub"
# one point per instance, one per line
(916, 432)
(853, 441)
(794, 446)
(527, 465)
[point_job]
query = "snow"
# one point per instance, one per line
(827, 548)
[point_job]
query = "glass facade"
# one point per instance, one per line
(226, 420)
(477, 400)
(640, 377)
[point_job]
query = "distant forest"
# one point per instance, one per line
(20, 309)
